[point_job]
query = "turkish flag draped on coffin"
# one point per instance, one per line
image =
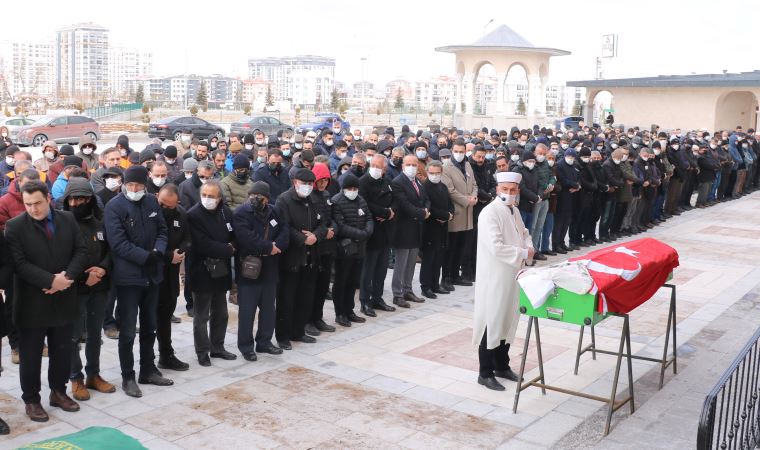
(628, 274)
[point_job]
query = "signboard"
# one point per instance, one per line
(609, 45)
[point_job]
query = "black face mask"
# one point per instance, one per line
(258, 204)
(241, 175)
(170, 214)
(396, 162)
(357, 170)
(274, 166)
(82, 211)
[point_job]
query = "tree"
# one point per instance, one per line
(269, 99)
(520, 110)
(139, 95)
(446, 109)
(334, 99)
(578, 108)
(343, 107)
(399, 103)
(247, 110)
(194, 110)
(145, 109)
(201, 98)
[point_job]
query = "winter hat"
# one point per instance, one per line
(571, 152)
(87, 140)
(259, 188)
(136, 174)
(350, 181)
(72, 160)
(241, 162)
(298, 138)
(321, 171)
(384, 145)
(585, 151)
(236, 147)
(247, 139)
(170, 152)
(656, 144)
(147, 155)
(190, 164)
(66, 150)
(50, 144)
(123, 141)
(304, 175)
(528, 155)
(444, 153)
(134, 158)
(113, 172)
(78, 187)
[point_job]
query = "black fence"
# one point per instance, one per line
(731, 413)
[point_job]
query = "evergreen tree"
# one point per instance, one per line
(269, 99)
(201, 98)
(139, 95)
(399, 103)
(334, 100)
(520, 107)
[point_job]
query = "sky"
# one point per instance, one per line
(398, 38)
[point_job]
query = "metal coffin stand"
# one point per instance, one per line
(592, 318)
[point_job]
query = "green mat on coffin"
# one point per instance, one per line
(92, 438)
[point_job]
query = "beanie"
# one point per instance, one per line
(136, 174)
(241, 162)
(259, 188)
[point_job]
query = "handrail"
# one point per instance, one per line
(735, 399)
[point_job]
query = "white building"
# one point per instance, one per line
(309, 87)
(255, 92)
(126, 63)
(434, 94)
(363, 89)
(27, 68)
(278, 71)
(81, 62)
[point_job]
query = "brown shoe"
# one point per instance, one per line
(79, 391)
(14, 356)
(36, 412)
(100, 385)
(63, 401)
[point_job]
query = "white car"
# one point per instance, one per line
(354, 111)
(13, 124)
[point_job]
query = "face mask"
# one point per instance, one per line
(170, 160)
(351, 195)
(249, 146)
(188, 175)
(600, 148)
(50, 155)
(514, 158)
(713, 146)
(421, 154)
(468, 154)
(242, 175)
(564, 146)
(570, 161)
(522, 143)
(343, 170)
(112, 183)
(585, 159)
(185, 139)
(459, 157)
(341, 155)
(508, 199)
(446, 161)
(613, 146)
(645, 158)
(625, 157)
(616, 161)
(274, 166)
(213, 145)
(357, 170)
(209, 203)
(135, 196)
(490, 156)
(375, 173)
(663, 142)
(657, 152)
(745, 145)
(123, 153)
(328, 142)
(82, 211)
(5, 134)
(336, 130)
(303, 190)
(396, 161)
(550, 162)
(258, 204)
(675, 146)
(298, 146)
(86, 151)
(158, 181)
(286, 153)
(410, 171)
(635, 146)
(529, 165)
(540, 158)
(259, 141)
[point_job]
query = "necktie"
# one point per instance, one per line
(414, 183)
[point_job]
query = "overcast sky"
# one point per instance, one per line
(398, 37)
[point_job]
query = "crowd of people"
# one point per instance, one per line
(106, 242)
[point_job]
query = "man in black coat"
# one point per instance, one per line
(582, 229)
(178, 233)
(412, 206)
(299, 208)
(274, 174)
(44, 302)
(375, 189)
(435, 231)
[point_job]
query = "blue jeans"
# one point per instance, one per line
(540, 210)
(713, 195)
(546, 233)
(527, 218)
(131, 301)
(657, 205)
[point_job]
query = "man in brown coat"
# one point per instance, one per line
(463, 190)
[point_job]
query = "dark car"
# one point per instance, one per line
(171, 128)
(266, 124)
(322, 121)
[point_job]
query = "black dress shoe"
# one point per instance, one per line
(190, 312)
(306, 339)
(461, 282)
(560, 250)
(409, 296)
(172, 363)
(399, 301)
(439, 290)
(311, 330)
(368, 311)
(509, 374)
(285, 345)
(154, 378)
(250, 356)
(130, 388)
(539, 257)
(468, 278)
(429, 293)
(342, 321)
(224, 354)
(4, 428)
(549, 253)
(448, 286)
(323, 327)
(491, 383)
(355, 319)
(268, 348)
(204, 360)
(382, 306)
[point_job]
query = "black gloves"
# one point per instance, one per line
(154, 258)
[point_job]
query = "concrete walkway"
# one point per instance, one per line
(408, 379)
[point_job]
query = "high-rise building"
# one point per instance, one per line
(27, 69)
(81, 62)
(255, 92)
(126, 63)
(278, 72)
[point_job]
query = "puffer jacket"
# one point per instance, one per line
(353, 221)
(325, 205)
(625, 194)
(234, 191)
(250, 228)
(92, 231)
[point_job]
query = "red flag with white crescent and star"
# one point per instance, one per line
(628, 274)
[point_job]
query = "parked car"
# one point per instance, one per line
(13, 124)
(354, 110)
(323, 120)
(61, 129)
(250, 125)
(171, 128)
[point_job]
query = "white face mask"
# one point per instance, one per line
(529, 165)
(158, 181)
(213, 145)
(188, 175)
(540, 158)
(435, 179)
(550, 162)
(249, 146)
(185, 139)
(340, 155)
(514, 158)
(657, 152)
(375, 173)
(446, 161)
(614, 146)
(170, 160)
(50, 155)
(259, 141)
(261, 159)
(585, 159)
(421, 154)
(713, 146)
(204, 180)
(570, 161)
(112, 183)
(458, 156)
(564, 146)
(508, 199)
(123, 153)
(209, 203)
(625, 157)
(351, 195)
(87, 151)
(616, 161)
(468, 154)
(410, 171)
(135, 196)
(328, 143)
(304, 190)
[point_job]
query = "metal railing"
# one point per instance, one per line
(103, 111)
(731, 412)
